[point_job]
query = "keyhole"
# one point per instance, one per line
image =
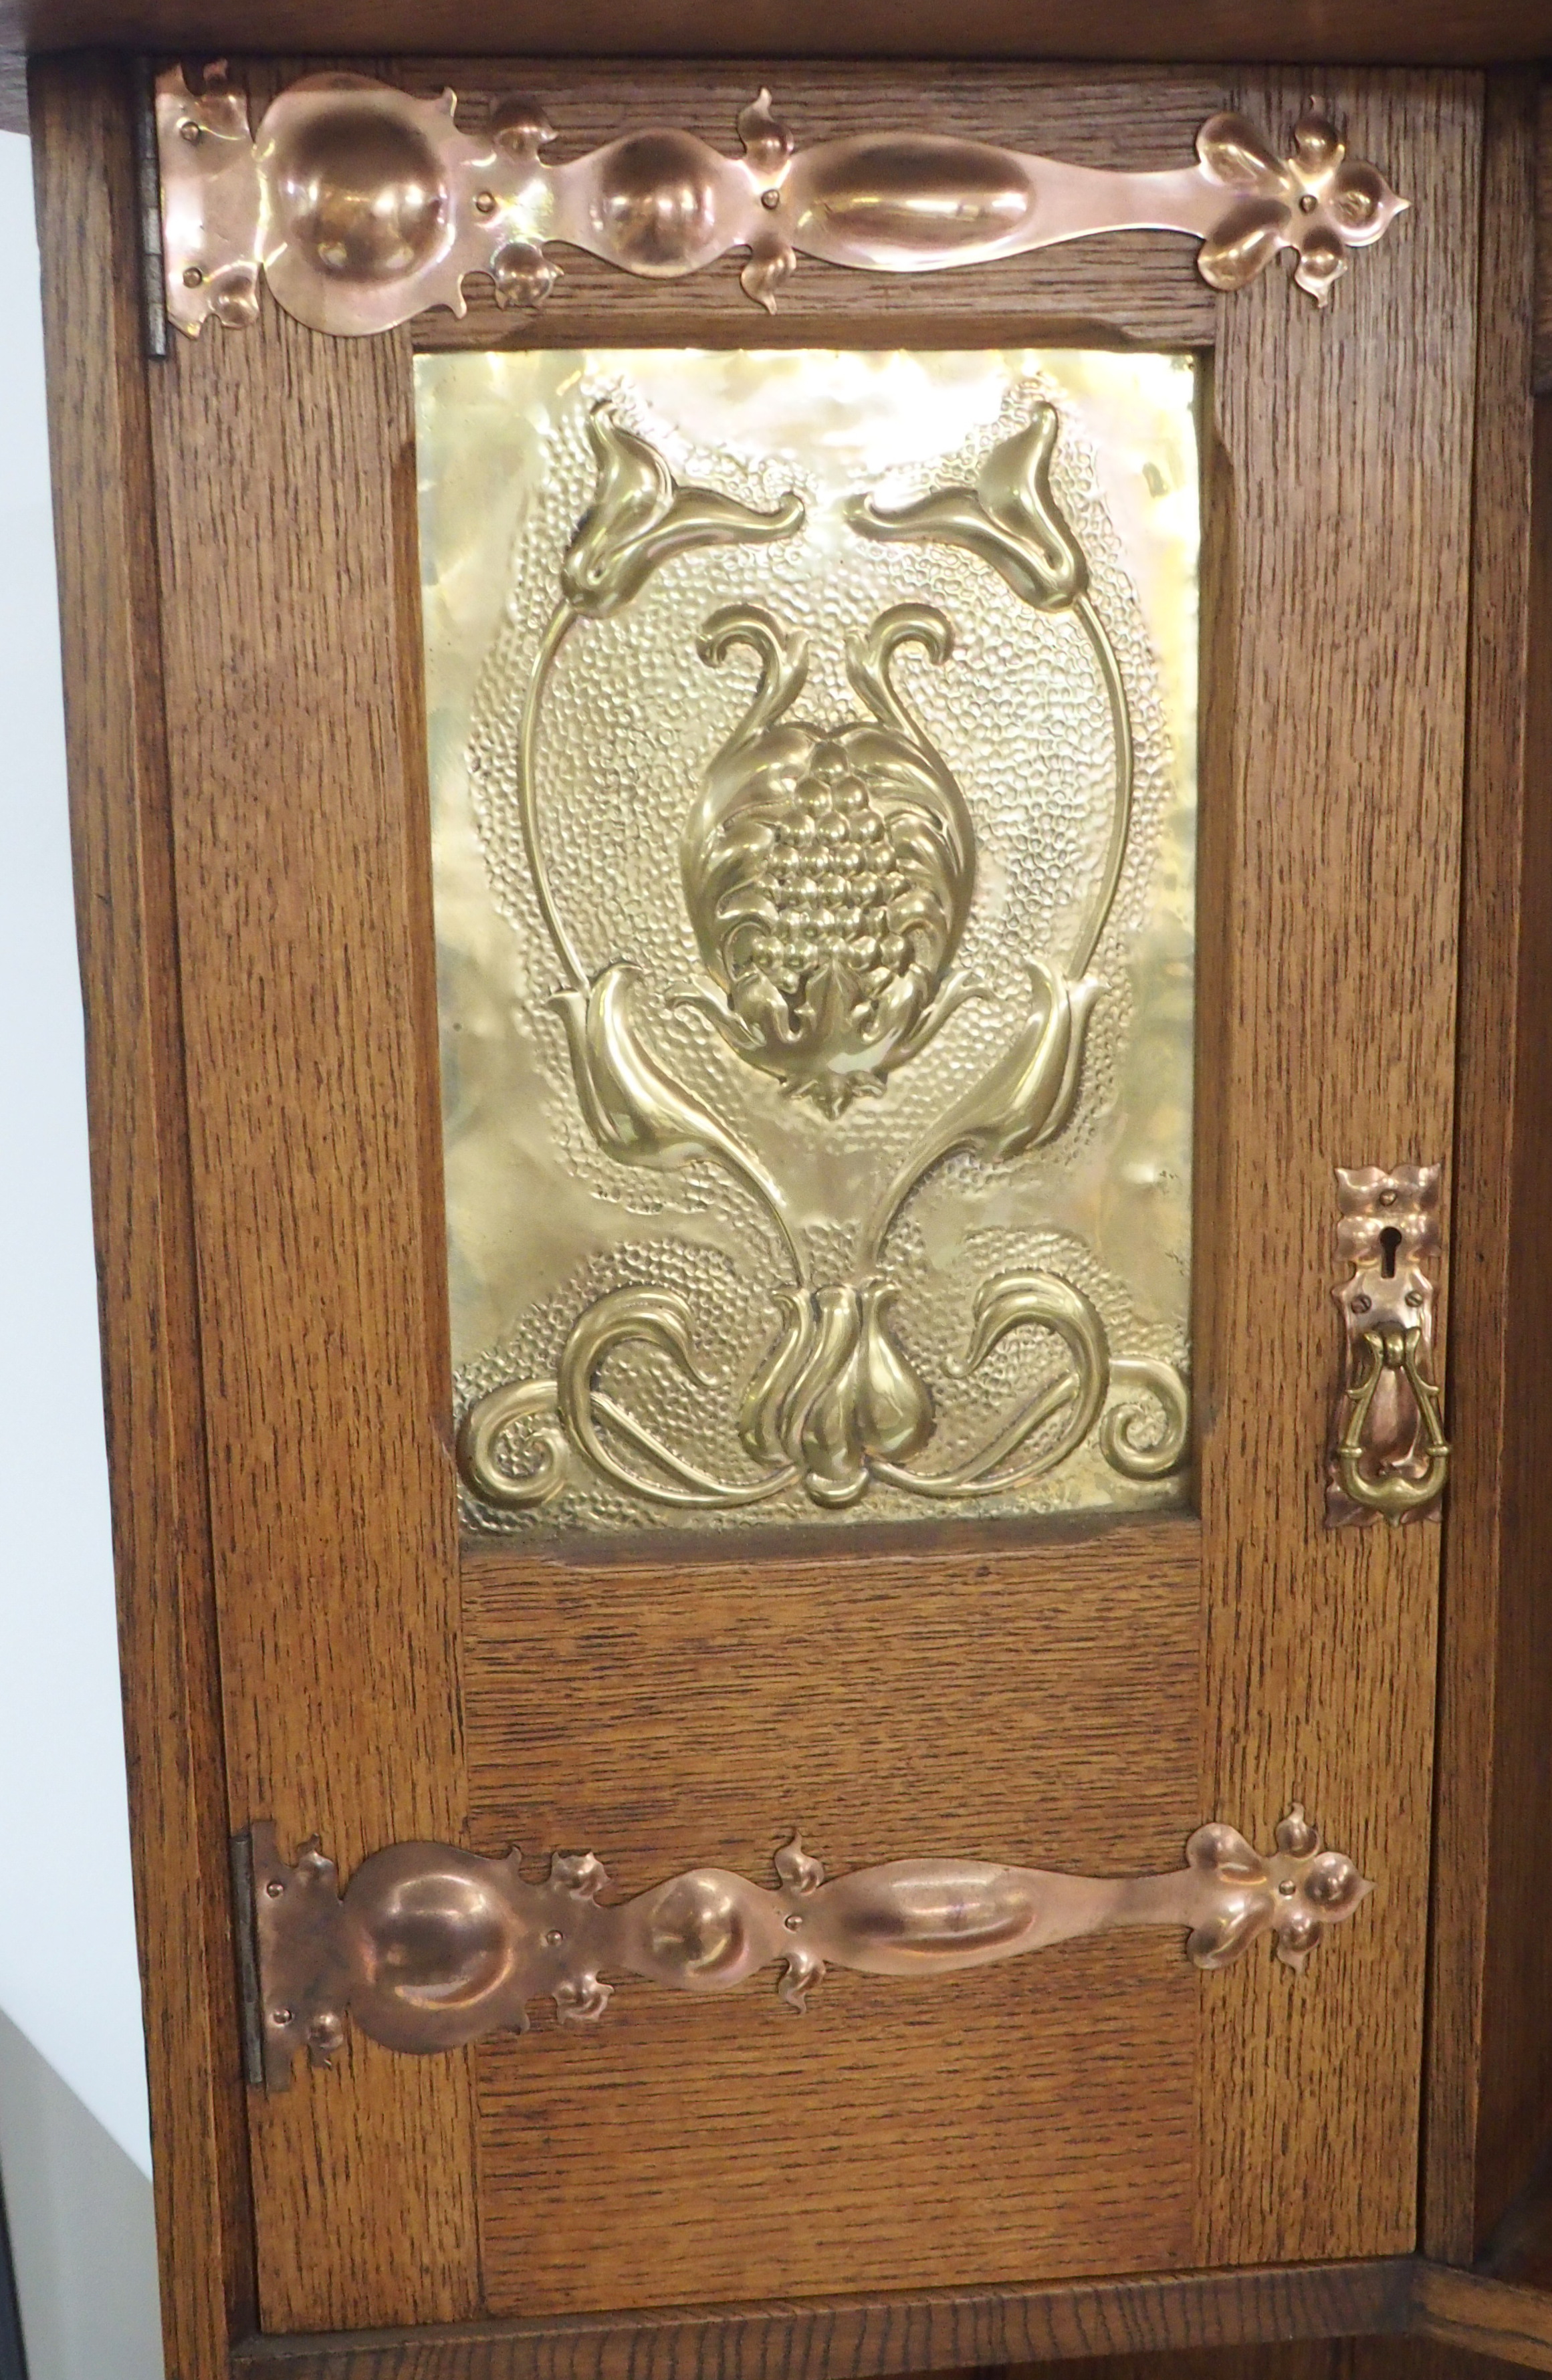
(1389, 1241)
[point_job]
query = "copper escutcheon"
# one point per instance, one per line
(1389, 1457)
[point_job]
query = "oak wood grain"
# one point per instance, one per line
(1492, 1800)
(1501, 2319)
(1132, 287)
(13, 90)
(121, 836)
(1033, 1703)
(1431, 32)
(1521, 2246)
(1386, 2357)
(1543, 243)
(948, 2330)
(1515, 2115)
(296, 747)
(1335, 656)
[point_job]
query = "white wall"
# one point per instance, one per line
(82, 2233)
(74, 2144)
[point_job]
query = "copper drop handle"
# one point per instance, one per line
(1389, 1457)
(1392, 1493)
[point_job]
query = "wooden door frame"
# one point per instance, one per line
(1489, 2088)
(1480, 2116)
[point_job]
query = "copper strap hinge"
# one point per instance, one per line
(362, 205)
(430, 1946)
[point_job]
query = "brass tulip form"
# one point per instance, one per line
(1390, 1457)
(362, 205)
(430, 1946)
(827, 871)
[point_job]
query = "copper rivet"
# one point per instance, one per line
(484, 202)
(1307, 203)
(770, 198)
(190, 131)
(1387, 1198)
(1288, 1887)
(792, 1924)
(554, 1937)
(280, 2016)
(274, 1890)
(192, 276)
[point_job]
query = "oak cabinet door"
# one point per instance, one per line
(939, 813)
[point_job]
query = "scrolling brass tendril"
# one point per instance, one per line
(562, 621)
(1120, 816)
(639, 520)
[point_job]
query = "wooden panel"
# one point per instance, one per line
(1495, 1695)
(1437, 33)
(1136, 285)
(1489, 2317)
(953, 2328)
(1388, 2358)
(104, 543)
(1035, 1705)
(13, 92)
(1521, 2247)
(1516, 2105)
(296, 758)
(1334, 678)
(1544, 245)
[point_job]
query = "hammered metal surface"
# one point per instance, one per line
(542, 1219)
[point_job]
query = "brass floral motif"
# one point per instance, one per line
(1390, 1456)
(639, 520)
(1010, 520)
(362, 205)
(430, 1946)
(828, 873)
(836, 1396)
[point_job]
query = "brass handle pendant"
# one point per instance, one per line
(1393, 1494)
(1390, 1456)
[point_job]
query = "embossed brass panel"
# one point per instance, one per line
(812, 754)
